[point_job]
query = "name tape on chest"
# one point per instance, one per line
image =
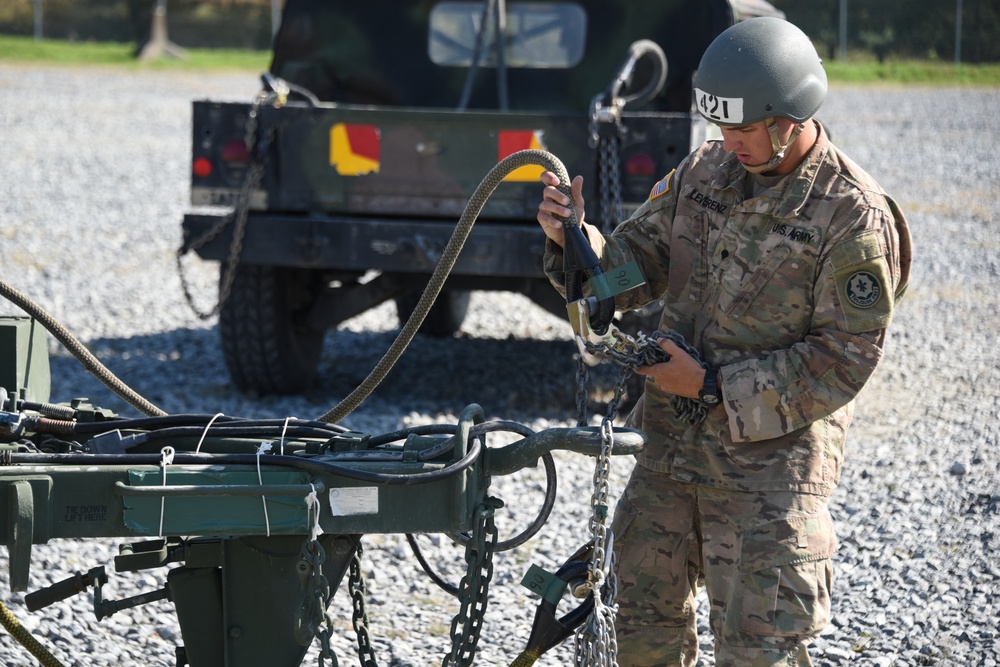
(707, 202)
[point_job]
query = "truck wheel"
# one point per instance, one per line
(267, 347)
(445, 316)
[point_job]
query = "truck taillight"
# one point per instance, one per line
(235, 151)
(639, 175)
(235, 159)
(202, 167)
(640, 164)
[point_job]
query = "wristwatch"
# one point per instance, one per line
(710, 393)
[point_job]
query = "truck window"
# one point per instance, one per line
(538, 35)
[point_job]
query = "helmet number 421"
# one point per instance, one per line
(722, 109)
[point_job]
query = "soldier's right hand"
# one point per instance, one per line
(554, 206)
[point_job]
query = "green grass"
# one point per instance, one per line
(923, 72)
(59, 52)
(859, 69)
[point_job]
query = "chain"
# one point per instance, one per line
(582, 375)
(252, 181)
(356, 586)
(474, 587)
(633, 353)
(606, 131)
(610, 175)
(312, 619)
(596, 642)
(473, 593)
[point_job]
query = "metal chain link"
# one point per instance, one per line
(474, 587)
(358, 590)
(312, 619)
(252, 181)
(473, 593)
(582, 375)
(596, 643)
(612, 211)
(606, 131)
(631, 353)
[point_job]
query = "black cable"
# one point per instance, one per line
(311, 466)
(200, 421)
(237, 430)
(425, 566)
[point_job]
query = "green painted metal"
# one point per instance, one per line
(233, 524)
(24, 358)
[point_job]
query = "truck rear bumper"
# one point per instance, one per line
(509, 250)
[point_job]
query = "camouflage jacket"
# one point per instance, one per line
(788, 293)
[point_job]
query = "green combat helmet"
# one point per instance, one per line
(756, 70)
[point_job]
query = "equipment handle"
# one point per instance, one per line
(61, 590)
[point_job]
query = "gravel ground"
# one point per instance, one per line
(93, 184)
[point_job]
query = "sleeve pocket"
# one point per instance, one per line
(863, 288)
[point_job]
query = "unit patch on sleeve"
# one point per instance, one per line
(863, 289)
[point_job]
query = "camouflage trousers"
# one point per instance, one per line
(763, 558)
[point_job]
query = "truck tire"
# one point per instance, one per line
(267, 347)
(445, 316)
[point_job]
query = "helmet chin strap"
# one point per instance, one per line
(778, 151)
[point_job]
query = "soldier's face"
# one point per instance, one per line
(752, 143)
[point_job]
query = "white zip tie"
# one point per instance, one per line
(312, 501)
(264, 447)
(282, 444)
(205, 432)
(166, 458)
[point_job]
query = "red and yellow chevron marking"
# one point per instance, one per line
(355, 149)
(512, 141)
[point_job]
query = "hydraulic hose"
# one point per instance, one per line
(408, 331)
(177, 420)
(310, 465)
(82, 354)
(445, 265)
(24, 638)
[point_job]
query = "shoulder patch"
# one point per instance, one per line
(861, 275)
(662, 187)
(863, 289)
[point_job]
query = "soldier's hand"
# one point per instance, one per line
(682, 375)
(554, 206)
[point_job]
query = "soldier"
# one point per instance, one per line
(780, 261)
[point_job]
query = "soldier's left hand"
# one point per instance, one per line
(682, 375)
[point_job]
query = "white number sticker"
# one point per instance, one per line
(722, 109)
(349, 501)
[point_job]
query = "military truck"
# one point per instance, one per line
(343, 180)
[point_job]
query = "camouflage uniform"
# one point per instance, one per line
(789, 294)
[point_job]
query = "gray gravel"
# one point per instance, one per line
(93, 184)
